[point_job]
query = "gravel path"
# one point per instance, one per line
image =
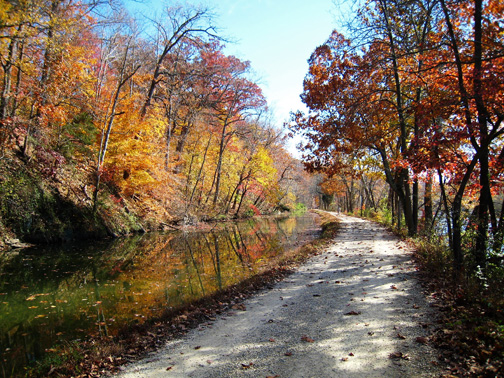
(355, 310)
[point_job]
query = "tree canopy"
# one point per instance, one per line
(416, 88)
(153, 110)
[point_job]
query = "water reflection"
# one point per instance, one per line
(66, 293)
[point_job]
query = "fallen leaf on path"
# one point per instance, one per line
(208, 362)
(351, 354)
(247, 366)
(401, 336)
(397, 355)
(353, 313)
(288, 354)
(169, 368)
(344, 359)
(197, 347)
(393, 287)
(307, 339)
(272, 376)
(421, 340)
(271, 340)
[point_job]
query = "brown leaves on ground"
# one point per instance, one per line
(399, 355)
(353, 313)
(239, 306)
(307, 339)
(468, 336)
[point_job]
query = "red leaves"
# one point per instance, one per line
(307, 339)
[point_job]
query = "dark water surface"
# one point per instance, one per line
(67, 292)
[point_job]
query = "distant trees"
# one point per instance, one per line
(416, 86)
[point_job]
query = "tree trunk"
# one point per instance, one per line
(428, 211)
(485, 195)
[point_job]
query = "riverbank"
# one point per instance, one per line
(44, 200)
(40, 206)
(94, 355)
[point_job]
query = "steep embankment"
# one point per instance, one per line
(42, 203)
(356, 310)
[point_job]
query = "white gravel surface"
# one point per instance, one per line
(355, 310)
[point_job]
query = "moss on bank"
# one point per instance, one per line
(41, 207)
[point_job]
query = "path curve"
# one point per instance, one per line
(355, 310)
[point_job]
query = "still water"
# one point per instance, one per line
(68, 292)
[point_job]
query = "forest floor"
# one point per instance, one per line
(357, 309)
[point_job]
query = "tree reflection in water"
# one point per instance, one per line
(67, 292)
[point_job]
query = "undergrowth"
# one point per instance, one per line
(470, 335)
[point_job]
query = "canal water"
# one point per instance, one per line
(68, 292)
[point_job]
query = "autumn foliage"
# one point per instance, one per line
(414, 93)
(161, 120)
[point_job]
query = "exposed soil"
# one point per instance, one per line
(355, 310)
